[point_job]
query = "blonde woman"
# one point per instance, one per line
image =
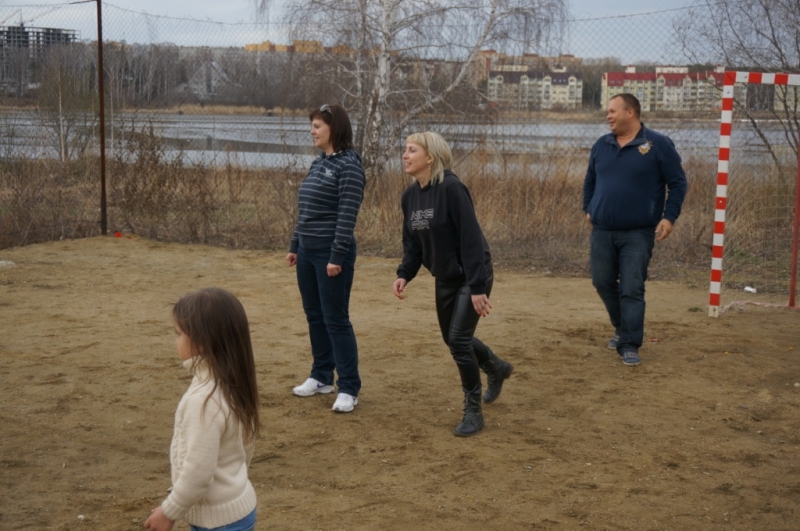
(441, 232)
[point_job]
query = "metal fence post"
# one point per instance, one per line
(101, 89)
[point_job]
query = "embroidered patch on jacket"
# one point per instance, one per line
(645, 148)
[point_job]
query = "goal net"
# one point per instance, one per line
(754, 253)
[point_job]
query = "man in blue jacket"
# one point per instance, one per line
(632, 195)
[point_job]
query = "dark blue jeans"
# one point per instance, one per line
(619, 260)
(248, 523)
(326, 301)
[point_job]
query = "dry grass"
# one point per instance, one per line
(230, 110)
(227, 110)
(47, 200)
(529, 206)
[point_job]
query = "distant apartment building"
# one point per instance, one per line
(494, 60)
(20, 46)
(531, 82)
(206, 81)
(303, 51)
(669, 88)
(34, 40)
(529, 90)
(300, 47)
(786, 99)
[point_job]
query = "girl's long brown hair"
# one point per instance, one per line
(216, 323)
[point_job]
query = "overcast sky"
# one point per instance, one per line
(123, 22)
(243, 10)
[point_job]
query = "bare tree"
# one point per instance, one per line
(66, 99)
(749, 34)
(380, 46)
(592, 70)
(16, 71)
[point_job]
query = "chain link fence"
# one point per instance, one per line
(207, 129)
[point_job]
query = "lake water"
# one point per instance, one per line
(270, 141)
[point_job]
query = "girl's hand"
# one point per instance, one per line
(291, 259)
(158, 521)
(481, 304)
(398, 287)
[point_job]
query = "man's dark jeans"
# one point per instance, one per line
(326, 301)
(619, 260)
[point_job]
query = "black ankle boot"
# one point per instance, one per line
(473, 417)
(497, 371)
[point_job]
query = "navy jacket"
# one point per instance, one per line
(627, 188)
(441, 232)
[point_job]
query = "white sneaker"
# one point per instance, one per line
(344, 403)
(311, 387)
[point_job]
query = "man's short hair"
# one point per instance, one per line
(631, 102)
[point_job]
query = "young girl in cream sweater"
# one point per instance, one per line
(217, 420)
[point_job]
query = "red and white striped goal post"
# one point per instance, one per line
(726, 122)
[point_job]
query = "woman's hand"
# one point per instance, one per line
(291, 259)
(158, 521)
(481, 304)
(398, 287)
(334, 270)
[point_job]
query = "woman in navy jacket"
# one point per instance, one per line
(441, 232)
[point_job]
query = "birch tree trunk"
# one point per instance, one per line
(375, 157)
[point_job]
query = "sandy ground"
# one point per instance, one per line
(703, 435)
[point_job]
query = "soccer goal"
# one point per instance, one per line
(757, 211)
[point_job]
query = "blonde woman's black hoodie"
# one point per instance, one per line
(441, 232)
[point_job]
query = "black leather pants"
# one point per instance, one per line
(457, 321)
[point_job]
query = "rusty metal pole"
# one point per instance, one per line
(101, 89)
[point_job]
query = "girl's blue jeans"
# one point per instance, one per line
(248, 523)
